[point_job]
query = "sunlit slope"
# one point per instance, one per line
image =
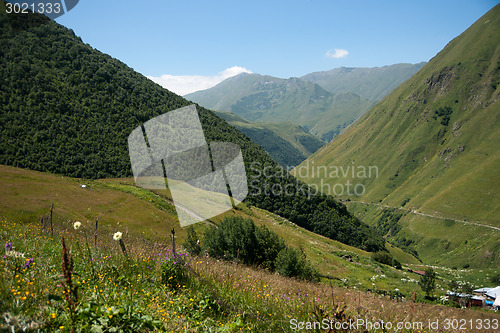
(121, 205)
(435, 139)
(269, 99)
(287, 143)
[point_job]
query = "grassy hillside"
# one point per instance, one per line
(288, 144)
(433, 143)
(119, 203)
(135, 294)
(269, 99)
(66, 108)
(150, 215)
(370, 83)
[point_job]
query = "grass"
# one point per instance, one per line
(120, 204)
(449, 170)
(28, 195)
(127, 286)
(130, 293)
(440, 241)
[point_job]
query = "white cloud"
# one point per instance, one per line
(338, 53)
(185, 84)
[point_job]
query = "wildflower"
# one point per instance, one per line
(117, 236)
(8, 246)
(77, 225)
(28, 262)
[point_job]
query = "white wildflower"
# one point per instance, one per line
(117, 236)
(77, 225)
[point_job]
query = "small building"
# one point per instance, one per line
(493, 293)
(479, 301)
(490, 296)
(481, 291)
(496, 304)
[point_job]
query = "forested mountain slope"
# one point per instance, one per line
(67, 108)
(287, 143)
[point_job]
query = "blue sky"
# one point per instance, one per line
(194, 43)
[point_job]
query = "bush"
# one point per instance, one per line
(383, 257)
(234, 239)
(396, 264)
(428, 282)
(293, 263)
(192, 242)
(239, 239)
(495, 279)
(405, 201)
(269, 246)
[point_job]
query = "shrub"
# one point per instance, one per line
(405, 201)
(293, 263)
(495, 279)
(192, 242)
(383, 257)
(269, 245)
(396, 264)
(239, 239)
(234, 239)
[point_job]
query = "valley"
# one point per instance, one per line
(372, 192)
(323, 103)
(434, 141)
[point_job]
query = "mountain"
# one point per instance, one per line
(369, 83)
(431, 146)
(265, 98)
(288, 144)
(66, 108)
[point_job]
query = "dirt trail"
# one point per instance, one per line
(430, 215)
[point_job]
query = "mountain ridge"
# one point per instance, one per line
(265, 98)
(372, 83)
(68, 109)
(435, 141)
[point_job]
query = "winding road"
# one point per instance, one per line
(430, 215)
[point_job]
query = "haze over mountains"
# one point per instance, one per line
(323, 102)
(370, 83)
(436, 143)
